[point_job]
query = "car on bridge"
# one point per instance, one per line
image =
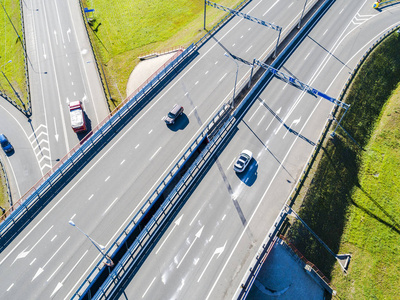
(242, 161)
(174, 113)
(78, 122)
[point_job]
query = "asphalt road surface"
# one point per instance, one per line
(209, 246)
(50, 258)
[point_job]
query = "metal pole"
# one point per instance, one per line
(16, 94)
(204, 26)
(251, 74)
(10, 21)
(237, 70)
(109, 262)
(338, 124)
(305, 3)
(312, 232)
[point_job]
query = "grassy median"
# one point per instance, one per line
(128, 29)
(12, 75)
(352, 200)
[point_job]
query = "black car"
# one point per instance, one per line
(174, 113)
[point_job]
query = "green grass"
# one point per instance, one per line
(130, 29)
(3, 192)
(11, 49)
(372, 233)
(352, 200)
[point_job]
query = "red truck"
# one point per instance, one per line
(77, 115)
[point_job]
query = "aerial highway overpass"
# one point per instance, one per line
(209, 246)
(49, 258)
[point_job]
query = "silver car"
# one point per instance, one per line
(242, 161)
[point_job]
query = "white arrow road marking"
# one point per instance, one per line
(84, 98)
(55, 127)
(60, 284)
(198, 234)
(177, 222)
(25, 253)
(68, 33)
(40, 270)
(44, 52)
(295, 122)
(218, 252)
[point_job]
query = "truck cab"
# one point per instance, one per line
(77, 115)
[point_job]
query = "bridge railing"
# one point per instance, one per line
(146, 234)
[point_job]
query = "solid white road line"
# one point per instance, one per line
(148, 287)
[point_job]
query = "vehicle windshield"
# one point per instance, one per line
(171, 115)
(4, 143)
(244, 157)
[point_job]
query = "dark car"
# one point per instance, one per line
(5, 144)
(174, 113)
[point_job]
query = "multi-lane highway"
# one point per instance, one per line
(209, 246)
(61, 69)
(51, 258)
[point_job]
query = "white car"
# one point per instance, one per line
(243, 160)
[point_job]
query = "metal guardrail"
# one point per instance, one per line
(108, 290)
(22, 206)
(134, 251)
(141, 243)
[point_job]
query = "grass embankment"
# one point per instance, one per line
(11, 49)
(128, 29)
(3, 193)
(353, 200)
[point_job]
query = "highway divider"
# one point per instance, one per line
(127, 251)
